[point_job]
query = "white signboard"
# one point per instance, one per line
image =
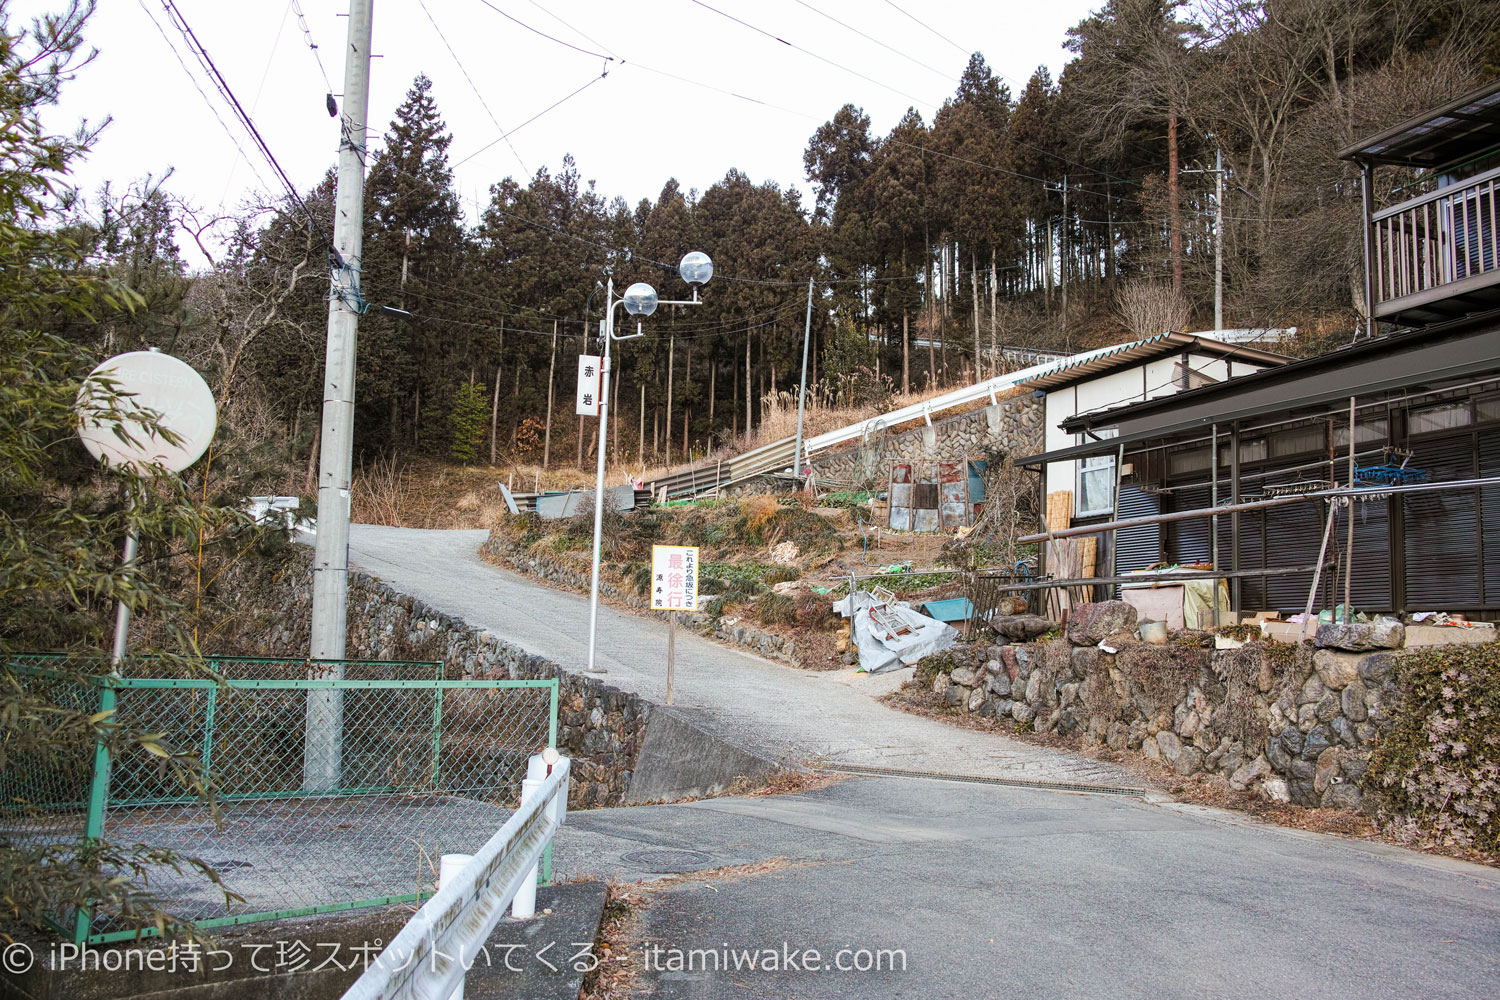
(156, 386)
(588, 385)
(674, 577)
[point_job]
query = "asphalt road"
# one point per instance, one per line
(991, 891)
(766, 706)
(979, 890)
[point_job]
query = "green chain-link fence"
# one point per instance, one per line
(403, 765)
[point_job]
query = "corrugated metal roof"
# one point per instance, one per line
(1461, 128)
(1136, 351)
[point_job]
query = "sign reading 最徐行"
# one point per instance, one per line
(674, 577)
(588, 385)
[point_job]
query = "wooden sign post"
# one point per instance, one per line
(674, 588)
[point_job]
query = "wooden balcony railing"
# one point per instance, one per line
(1442, 245)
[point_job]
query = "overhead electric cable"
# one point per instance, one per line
(929, 28)
(234, 140)
(889, 48)
(506, 136)
(180, 23)
(311, 45)
(482, 102)
(550, 38)
(814, 55)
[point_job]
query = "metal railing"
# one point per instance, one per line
(427, 766)
(430, 956)
(1436, 239)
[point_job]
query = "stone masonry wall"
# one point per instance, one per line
(1013, 425)
(1294, 722)
(600, 727)
(504, 552)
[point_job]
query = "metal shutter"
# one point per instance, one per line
(1442, 530)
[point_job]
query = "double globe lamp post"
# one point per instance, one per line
(639, 301)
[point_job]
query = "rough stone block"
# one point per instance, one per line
(1382, 633)
(999, 685)
(1246, 775)
(1169, 745)
(1089, 624)
(976, 698)
(1353, 701)
(1445, 635)
(964, 676)
(1335, 670)
(1377, 668)
(1022, 628)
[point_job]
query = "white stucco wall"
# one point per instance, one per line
(1134, 384)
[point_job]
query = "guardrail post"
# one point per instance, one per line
(524, 904)
(449, 868)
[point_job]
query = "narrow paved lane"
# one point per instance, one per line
(766, 706)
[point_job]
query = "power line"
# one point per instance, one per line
(560, 101)
(196, 47)
(576, 30)
(311, 45)
(482, 102)
(211, 107)
(929, 28)
(889, 48)
(814, 55)
(550, 38)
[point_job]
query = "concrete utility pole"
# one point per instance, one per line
(1219, 239)
(321, 760)
(797, 460)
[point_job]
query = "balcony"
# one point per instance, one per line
(1437, 256)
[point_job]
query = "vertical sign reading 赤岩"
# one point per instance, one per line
(588, 385)
(674, 577)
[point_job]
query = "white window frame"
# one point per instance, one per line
(1094, 465)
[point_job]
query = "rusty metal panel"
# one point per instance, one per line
(900, 518)
(901, 495)
(925, 519)
(901, 474)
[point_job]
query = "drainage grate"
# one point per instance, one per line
(1056, 786)
(662, 862)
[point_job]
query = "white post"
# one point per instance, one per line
(449, 868)
(524, 904)
(321, 764)
(608, 336)
(671, 651)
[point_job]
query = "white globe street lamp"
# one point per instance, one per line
(640, 300)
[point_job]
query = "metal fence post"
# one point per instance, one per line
(98, 803)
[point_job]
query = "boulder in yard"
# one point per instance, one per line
(1090, 624)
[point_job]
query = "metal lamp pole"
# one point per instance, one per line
(640, 301)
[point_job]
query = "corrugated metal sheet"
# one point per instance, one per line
(1137, 548)
(1489, 504)
(1442, 530)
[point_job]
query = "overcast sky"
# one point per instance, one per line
(689, 93)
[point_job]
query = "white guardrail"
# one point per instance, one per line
(958, 397)
(427, 960)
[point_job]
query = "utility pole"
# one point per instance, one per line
(802, 393)
(1219, 238)
(1062, 261)
(321, 758)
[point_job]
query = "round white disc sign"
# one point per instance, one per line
(165, 386)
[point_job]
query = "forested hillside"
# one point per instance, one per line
(1074, 213)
